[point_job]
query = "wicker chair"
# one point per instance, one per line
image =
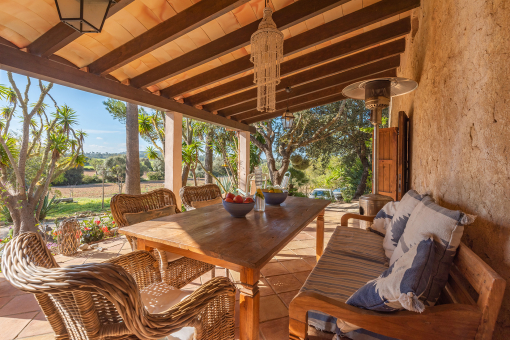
(176, 273)
(103, 300)
(198, 194)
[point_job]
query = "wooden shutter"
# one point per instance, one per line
(403, 166)
(388, 162)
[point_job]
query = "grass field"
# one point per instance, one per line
(80, 204)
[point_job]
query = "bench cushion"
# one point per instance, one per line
(382, 220)
(359, 243)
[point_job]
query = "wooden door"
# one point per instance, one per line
(388, 162)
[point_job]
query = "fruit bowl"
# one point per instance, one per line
(238, 209)
(275, 198)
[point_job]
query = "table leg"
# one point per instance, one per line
(320, 235)
(140, 245)
(249, 303)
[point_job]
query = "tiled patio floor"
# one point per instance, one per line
(281, 279)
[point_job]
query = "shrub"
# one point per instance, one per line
(91, 179)
(155, 176)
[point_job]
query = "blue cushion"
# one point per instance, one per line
(382, 220)
(400, 286)
(399, 221)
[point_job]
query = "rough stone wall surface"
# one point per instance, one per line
(460, 120)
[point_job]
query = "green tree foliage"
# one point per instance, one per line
(73, 176)
(47, 146)
(116, 170)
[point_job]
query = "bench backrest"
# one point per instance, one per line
(473, 282)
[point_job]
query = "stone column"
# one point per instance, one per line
(244, 160)
(173, 153)
(132, 150)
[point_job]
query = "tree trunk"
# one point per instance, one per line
(193, 171)
(208, 162)
(362, 186)
(132, 150)
(185, 174)
(23, 217)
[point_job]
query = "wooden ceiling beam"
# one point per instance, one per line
(321, 88)
(14, 60)
(163, 33)
(328, 31)
(312, 75)
(61, 34)
(286, 17)
(346, 24)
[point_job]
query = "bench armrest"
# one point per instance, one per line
(451, 321)
(346, 217)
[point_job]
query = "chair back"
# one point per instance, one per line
(123, 203)
(198, 194)
(73, 313)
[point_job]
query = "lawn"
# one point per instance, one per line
(80, 204)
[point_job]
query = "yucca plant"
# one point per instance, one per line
(47, 206)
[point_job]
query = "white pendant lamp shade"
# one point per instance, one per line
(267, 55)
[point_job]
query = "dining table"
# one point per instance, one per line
(210, 234)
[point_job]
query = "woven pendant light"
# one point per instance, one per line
(266, 55)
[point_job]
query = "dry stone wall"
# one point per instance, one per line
(459, 52)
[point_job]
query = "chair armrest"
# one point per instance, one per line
(141, 265)
(451, 321)
(346, 217)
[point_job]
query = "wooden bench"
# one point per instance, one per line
(468, 307)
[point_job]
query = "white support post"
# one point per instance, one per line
(173, 153)
(244, 160)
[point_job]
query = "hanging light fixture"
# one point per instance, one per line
(266, 55)
(85, 16)
(288, 117)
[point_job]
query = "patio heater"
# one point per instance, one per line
(377, 94)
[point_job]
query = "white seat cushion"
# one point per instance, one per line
(160, 297)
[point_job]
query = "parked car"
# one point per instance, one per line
(326, 194)
(338, 193)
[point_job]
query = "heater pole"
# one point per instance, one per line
(375, 160)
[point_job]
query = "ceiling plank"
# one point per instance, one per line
(248, 99)
(346, 24)
(61, 34)
(286, 17)
(161, 34)
(307, 95)
(312, 37)
(345, 78)
(14, 60)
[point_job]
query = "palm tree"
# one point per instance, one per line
(66, 118)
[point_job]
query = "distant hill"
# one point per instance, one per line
(104, 155)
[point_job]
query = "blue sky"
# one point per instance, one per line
(104, 133)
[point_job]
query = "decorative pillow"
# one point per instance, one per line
(446, 226)
(399, 221)
(383, 218)
(133, 218)
(201, 204)
(401, 285)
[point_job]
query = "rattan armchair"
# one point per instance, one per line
(176, 273)
(103, 300)
(198, 194)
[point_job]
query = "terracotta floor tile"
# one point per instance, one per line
(288, 296)
(76, 261)
(4, 300)
(100, 257)
(312, 260)
(38, 326)
(20, 304)
(306, 252)
(49, 336)
(302, 276)
(284, 283)
(273, 268)
(302, 236)
(294, 266)
(308, 243)
(6, 289)
(275, 329)
(271, 307)
(12, 325)
(264, 288)
(295, 245)
(286, 254)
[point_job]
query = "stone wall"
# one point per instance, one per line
(459, 52)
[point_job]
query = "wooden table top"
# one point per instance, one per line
(249, 242)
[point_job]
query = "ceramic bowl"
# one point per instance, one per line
(238, 209)
(273, 198)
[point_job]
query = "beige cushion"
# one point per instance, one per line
(134, 218)
(201, 204)
(160, 297)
